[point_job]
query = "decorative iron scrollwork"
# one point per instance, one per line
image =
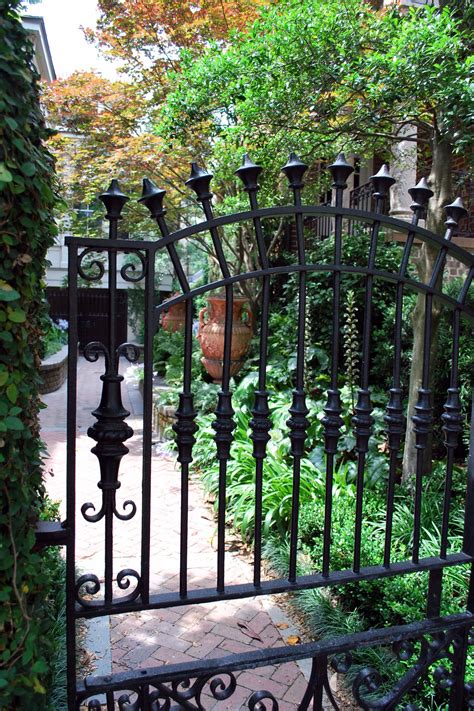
(363, 420)
(423, 417)
(452, 419)
(332, 421)
(224, 425)
(298, 423)
(94, 269)
(394, 419)
(132, 272)
(185, 428)
(258, 702)
(110, 431)
(89, 585)
(342, 663)
(260, 424)
(182, 691)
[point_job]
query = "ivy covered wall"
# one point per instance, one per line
(27, 198)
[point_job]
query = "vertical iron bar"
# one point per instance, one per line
(332, 420)
(149, 333)
(114, 200)
(435, 589)
(394, 418)
(452, 418)
(71, 477)
(260, 422)
(363, 419)
(452, 426)
(183, 412)
(468, 538)
(457, 696)
(109, 502)
(224, 408)
(223, 425)
(423, 409)
(110, 701)
(321, 673)
(112, 297)
(311, 686)
(298, 422)
(185, 427)
(422, 420)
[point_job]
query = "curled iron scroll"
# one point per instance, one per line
(123, 582)
(132, 272)
(126, 516)
(93, 350)
(91, 585)
(130, 351)
(259, 702)
(96, 265)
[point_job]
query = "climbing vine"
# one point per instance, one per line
(27, 199)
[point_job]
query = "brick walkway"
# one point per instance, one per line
(173, 635)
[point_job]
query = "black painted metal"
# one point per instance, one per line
(434, 641)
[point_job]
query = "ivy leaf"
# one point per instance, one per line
(17, 316)
(12, 393)
(11, 122)
(5, 175)
(7, 292)
(3, 377)
(14, 423)
(28, 169)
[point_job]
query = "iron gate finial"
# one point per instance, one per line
(152, 197)
(455, 212)
(114, 200)
(294, 171)
(248, 173)
(340, 171)
(199, 181)
(382, 182)
(420, 195)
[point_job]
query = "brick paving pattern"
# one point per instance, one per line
(180, 634)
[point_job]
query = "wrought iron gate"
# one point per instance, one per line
(436, 641)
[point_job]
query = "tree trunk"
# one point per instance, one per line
(440, 182)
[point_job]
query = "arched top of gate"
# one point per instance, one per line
(294, 170)
(200, 181)
(365, 216)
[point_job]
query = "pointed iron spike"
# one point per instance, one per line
(294, 171)
(152, 197)
(248, 173)
(340, 171)
(420, 194)
(114, 200)
(382, 181)
(199, 181)
(455, 212)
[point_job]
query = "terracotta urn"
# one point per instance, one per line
(174, 317)
(211, 334)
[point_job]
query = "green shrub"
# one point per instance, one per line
(383, 602)
(54, 338)
(319, 301)
(278, 464)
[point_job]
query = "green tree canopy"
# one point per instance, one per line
(318, 76)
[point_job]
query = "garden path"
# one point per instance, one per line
(182, 634)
